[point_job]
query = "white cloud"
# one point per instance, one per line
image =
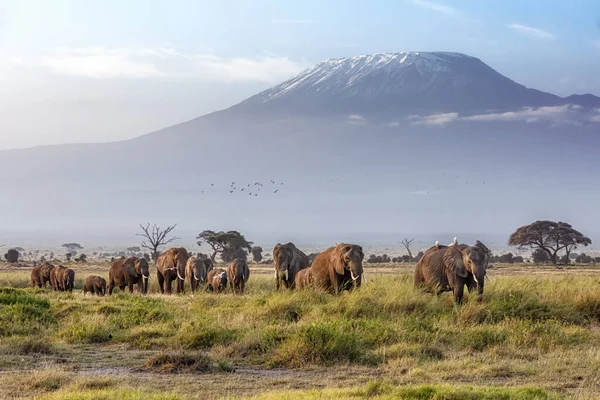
(394, 124)
(532, 32)
(356, 119)
(263, 69)
(435, 7)
(557, 115)
(100, 62)
(529, 115)
(434, 119)
(294, 21)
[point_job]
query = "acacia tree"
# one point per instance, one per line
(154, 237)
(406, 242)
(72, 248)
(550, 237)
(229, 245)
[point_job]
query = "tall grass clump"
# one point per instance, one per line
(23, 313)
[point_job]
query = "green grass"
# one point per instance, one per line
(378, 390)
(537, 329)
(310, 328)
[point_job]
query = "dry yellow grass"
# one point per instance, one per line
(534, 335)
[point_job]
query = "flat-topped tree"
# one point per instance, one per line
(550, 237)
(72, 248)
(229, 245)
(155, 236)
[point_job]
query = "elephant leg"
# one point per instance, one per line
(161, 282)
(458, 294)
(277, 281)
(111, 286)
(168, 281)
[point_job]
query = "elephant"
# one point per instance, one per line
(67, 279)
(338, 268)
(170, 266)
(40, 275)
(288, 261)
(238, 273)
(126, 272)
(450, 268)
(196, 271)
(217, 280)
(304, 278)
(56, 278)
(94, 284)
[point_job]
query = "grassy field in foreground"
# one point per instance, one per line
(532, 336)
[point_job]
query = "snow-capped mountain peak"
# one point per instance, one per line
(348, 72)
(397, 83)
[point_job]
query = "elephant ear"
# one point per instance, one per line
(130, 268)
(453, 259)
(337, 258)
(171, 259)
(360, 252)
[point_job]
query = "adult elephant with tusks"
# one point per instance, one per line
(196, 270)
(170, 267)
(338, 268)
(126, 272)
(288, 262)
(450, 268)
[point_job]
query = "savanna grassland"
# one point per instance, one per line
(535, 335)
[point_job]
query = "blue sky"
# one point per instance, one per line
(87, 71)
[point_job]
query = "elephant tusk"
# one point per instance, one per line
(287, 274)
(198, 279)
(487, 276)
(364, 278)
(146, 276)
(179, 276)
(353, 277)
(474, 277)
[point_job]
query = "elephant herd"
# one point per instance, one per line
(339, 268)
(441, 269)
(60, 278)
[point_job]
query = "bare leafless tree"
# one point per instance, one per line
(407, 243)
(156, 237)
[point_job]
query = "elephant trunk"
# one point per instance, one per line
(145, 281)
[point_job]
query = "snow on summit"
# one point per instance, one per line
(392, 84)
(346, 72)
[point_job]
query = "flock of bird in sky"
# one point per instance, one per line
(256, 188)
(253, 189)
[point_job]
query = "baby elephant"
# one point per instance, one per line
(238, 274)
(95, 285)
(217, 280)
(304, 278)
